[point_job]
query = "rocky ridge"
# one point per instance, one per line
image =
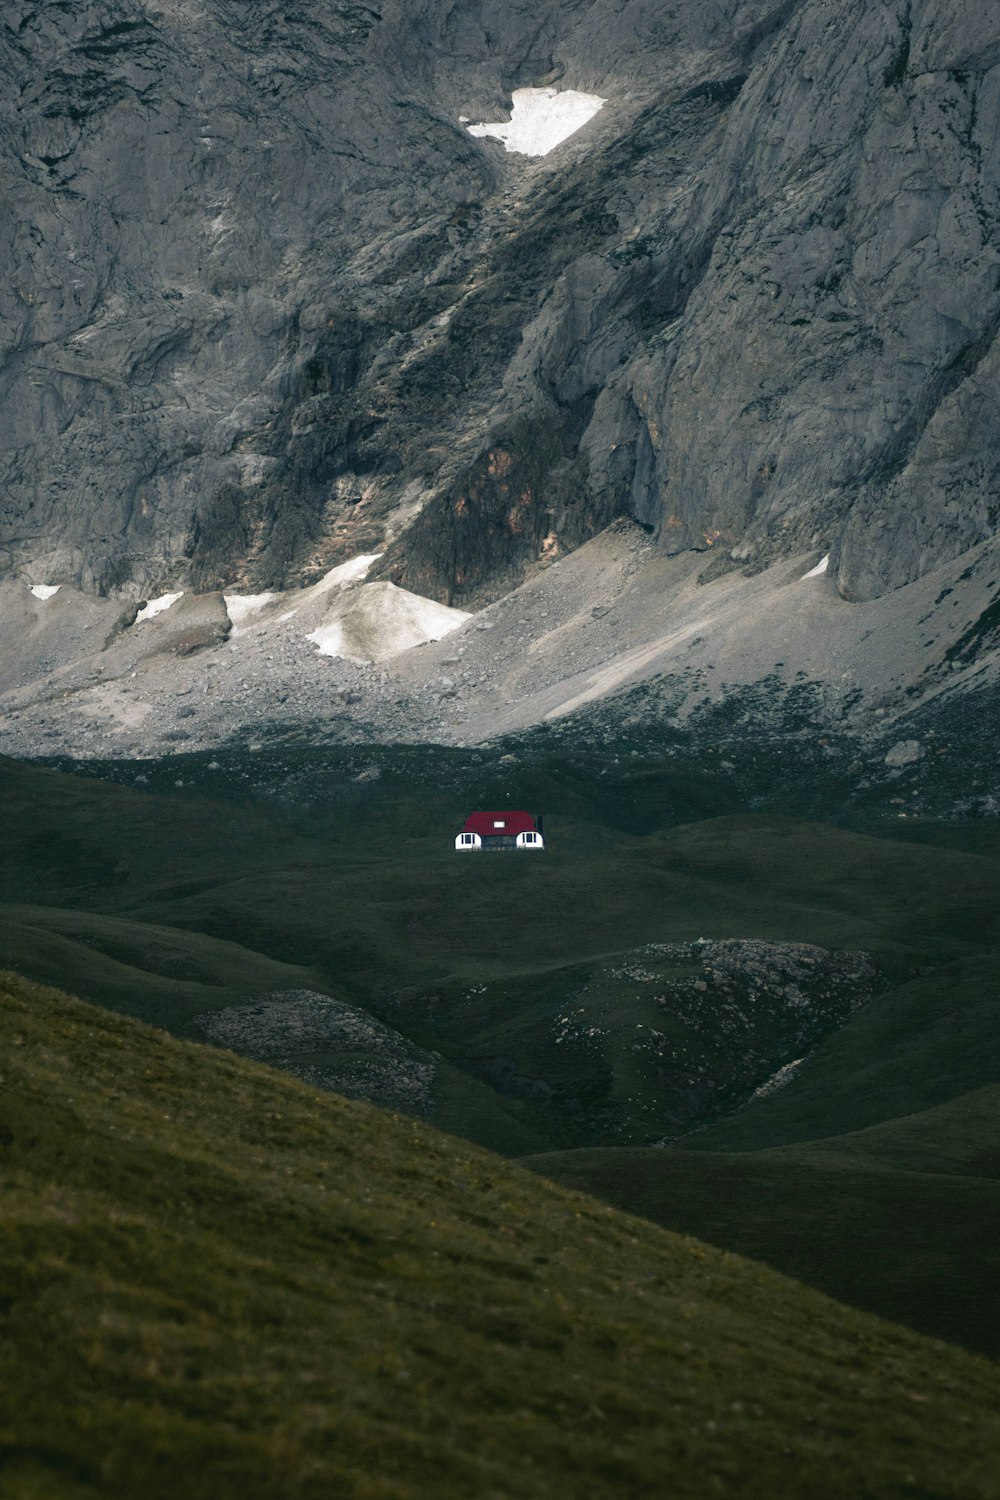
(617, 631)
(271, 305)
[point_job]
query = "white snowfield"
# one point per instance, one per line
(45, 590)
(243, 607)
(820, 567)
(379, 620)
(239, 607)
(351, 571)
(157, 606)
(541, 119)
(346, 617)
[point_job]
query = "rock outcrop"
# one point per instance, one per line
(270, 304)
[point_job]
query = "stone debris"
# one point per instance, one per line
(777, 1081)
(723, 1020)
(75, 681)
(328, 1043)
(904, 753)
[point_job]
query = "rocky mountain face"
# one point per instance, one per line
(269, 305)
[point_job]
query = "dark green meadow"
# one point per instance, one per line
(569, 1008)
(222, 1284)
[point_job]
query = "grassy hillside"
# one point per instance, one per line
(921, 1044)
(871, 1174)
(916, 1246)
(580, 1000)
(284, 872)
(218, 1282)
(183, 979)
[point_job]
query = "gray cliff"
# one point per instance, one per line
(267, 304)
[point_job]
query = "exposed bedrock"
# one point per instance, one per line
(270, 305)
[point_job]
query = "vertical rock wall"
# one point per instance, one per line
(269, 304)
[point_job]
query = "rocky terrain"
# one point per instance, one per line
(690, 1031)
(724, 1023)
(271, 304)
(585, 407)
(614, 639)
(327, 1043)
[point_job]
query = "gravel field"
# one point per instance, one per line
(79, 679)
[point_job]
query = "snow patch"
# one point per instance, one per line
(820, 567)
(258, 611)
(540, 119)
(379, 620)
(157, 606)
(239, 607)
(45, 590)
(347, 572)
(777, 1080)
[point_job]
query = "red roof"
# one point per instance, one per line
(499, 824)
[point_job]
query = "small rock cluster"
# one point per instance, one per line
(327, 1043)
(724, 1018)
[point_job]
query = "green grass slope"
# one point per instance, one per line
(413, 917)
(180, 978)
(871, 1174)
(285, 864)
(917, 1247)
(959, 1138)
(151, 972)
(217, 1282)
(296, 860)
(920, 1045)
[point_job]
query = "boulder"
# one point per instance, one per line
(904, 753)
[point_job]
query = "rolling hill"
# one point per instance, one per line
(219, 1282)
(620, 1014)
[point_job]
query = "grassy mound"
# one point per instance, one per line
(537, 1006)
(918, 1247)
(284, 872)
(217, 1282)
(872, 1174)
(922, 1044)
